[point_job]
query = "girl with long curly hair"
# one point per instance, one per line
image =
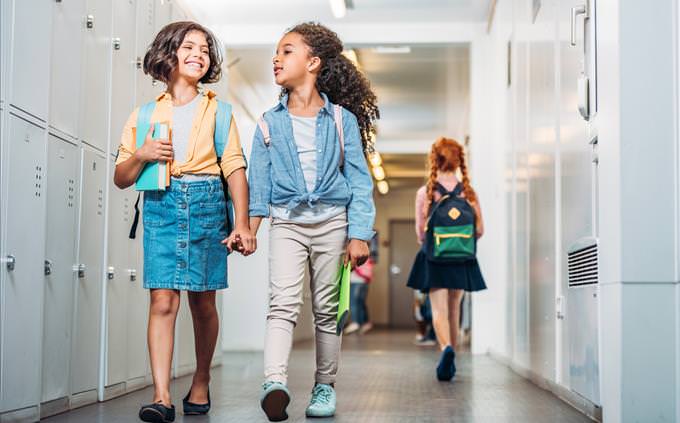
(446, 281)
(309, 175)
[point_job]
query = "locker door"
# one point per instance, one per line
(21, 295)
(67, 34)
(162, 14)
(31, 56)
(85, 370)
(145, 87)
(5, 36)
(138, 313)
(96, 74)
(60, 254)
(119, 255)
(123, 75)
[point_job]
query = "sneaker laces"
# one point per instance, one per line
(322, 394)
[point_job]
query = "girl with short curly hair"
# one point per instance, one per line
(309, 175)
(185, 223)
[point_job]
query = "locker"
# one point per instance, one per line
(116, 286)
(5, 36)
(60, 257)
(96, 78)
(138, 315)
(86, 346)
(146, 89)
(162, 14)
(21, 294)
(30, 59)
(123, 74)
(68, 25)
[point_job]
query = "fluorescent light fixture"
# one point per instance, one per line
(375, 159)
(339, 8)
(383, 187)
(378, 173)
(392, 49)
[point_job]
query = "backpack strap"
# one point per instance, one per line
(337, 115)
(440, 189)
(458, 190)
(264, 128)
(222, 126)
(143, 125)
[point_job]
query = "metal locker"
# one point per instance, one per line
(88, 318)
(30, 57)
(96, 78)
(5, 36)
(22, 266)
(146, 88)
(60, 259)
(162, 14)
(123, 73)
(121, 211)
(138, 314)
(68, 25)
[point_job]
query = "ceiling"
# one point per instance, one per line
(220, 12)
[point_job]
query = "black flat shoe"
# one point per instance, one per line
(191, 409)
(157, 413)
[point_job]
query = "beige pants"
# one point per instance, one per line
(294, 247)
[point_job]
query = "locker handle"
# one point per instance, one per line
(133, 274)
(10, 261)
(575, 12)
(138, 62)
(116, 43)
(80, 269)
(48, 267)
(89, 21)
(110, 273)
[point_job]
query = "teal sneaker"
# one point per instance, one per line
(275, 398)
(322, 403)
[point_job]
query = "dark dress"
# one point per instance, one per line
(426, 275)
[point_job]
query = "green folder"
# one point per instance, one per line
(343, 303)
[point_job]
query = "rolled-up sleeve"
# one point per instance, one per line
(232, 156)
(361, 209)
(128, 142)
(259, 177)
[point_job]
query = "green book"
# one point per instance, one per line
(343, 303)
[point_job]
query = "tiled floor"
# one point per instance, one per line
(383, 378)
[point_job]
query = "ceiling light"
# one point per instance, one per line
(378, 173)
(352, 56)
(339, 8)
(383, 187)
(375, 159)
(392, 49)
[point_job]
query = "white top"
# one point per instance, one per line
(304, 132)
(182, 120)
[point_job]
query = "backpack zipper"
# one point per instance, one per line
(439, 236)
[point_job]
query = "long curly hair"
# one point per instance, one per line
(340, 80)
(160, 59)
(447, 155)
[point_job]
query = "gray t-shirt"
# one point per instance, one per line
(182, 120)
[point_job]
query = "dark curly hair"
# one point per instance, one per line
(161, 56)
(340, 80)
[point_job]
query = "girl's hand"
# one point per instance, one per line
(242, 240)
(357, 252)
(154, 150)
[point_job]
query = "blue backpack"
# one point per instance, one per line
(450, 234)
(222, 125)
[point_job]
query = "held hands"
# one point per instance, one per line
(154, 150)
(241, 240)
(357, 252)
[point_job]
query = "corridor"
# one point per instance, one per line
(384, 378)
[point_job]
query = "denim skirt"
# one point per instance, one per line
(183, 227)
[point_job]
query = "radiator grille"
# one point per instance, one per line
(583, 265)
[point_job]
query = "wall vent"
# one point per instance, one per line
(583, 263)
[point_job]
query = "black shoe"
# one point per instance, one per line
(157, 413)
(191, 409)
(445, 368)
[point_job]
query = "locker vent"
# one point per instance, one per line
(583, 263)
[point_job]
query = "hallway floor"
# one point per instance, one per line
(383, 378)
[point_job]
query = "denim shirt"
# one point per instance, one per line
(275, 174)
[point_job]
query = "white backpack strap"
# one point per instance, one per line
(264, 128)
(337, 111)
